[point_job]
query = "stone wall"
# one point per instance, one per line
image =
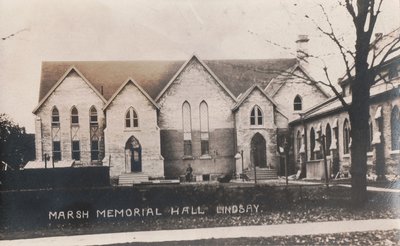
(195, 85)
(147, 133)
(73, 91)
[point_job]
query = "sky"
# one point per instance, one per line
(104, 30)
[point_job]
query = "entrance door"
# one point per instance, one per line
(258, 151)
(133, 152)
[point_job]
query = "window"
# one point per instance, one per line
(55, 117)
(74, 116)
(297, 103)
(204, 133)
(56, 151)
(393, 72)
(346, 137)
(93, 116)
(312, 144)
(395, 128)
(131, 118)
(94, 150)
(328, 139)
(76, 152)
(370, 135)
(187, 129)
(256, 118)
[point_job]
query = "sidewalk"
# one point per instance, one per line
(218, 232)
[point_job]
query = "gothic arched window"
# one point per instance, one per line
(187, 129)
(55, 117)
(297, 103)
(131, 118)
(204, 131)
(346, 137)
(256, 117)
(74, 116)
(93, 116)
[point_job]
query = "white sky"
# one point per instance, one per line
(156, 29)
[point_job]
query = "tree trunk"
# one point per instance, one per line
(359, 115)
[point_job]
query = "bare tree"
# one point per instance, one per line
(362, 64)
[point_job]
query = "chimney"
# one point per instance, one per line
(302, 50)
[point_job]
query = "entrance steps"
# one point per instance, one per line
(128, 179)
(262, 174)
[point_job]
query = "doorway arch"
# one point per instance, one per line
(133, 155)
(258, 151)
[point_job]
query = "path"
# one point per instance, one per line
(219, 232)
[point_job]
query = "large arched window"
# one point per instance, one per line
(297, 103)
(187, 129)
(74, 116)
(55, 117)
(93, 116)
(204, 131)
(395, 128)
(256, 117)
(94, 134)
(312, 144)
(346, 137)
(131, 118)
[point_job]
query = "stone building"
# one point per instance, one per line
(154, 118)
(329, 119)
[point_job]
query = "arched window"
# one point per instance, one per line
(312, 143)
(395, 128)
(256, 117)
(297, 103)
(328, 139)
(370, 135)
(187, 129)
(204, 132)
(55, 117)
(131, 118)
(93, 116)
(346, 137)
(74, 116)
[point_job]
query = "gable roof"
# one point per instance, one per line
(130, 80)
(51, 89)
(275, 88)
(245, 95)
(153, 76)
(194, 57)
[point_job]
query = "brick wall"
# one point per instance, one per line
(73, 91)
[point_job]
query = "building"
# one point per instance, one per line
(329, 119)
(154, 118)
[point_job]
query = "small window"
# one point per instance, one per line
(131, 118)
(370, 135)
(187, 147)
(346, 137)
(256, 117)
(94, 150)
(55, 118)
(74, 116)
(297, 103)
(76, 152)
(93, 116)
(395, 128)
(312, 144)
(56, 151)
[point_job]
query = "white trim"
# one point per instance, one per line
(72, 68)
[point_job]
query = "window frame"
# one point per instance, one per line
(74, 116)
(256, 117)
(55, 114)
(297, 103)
(131, 119)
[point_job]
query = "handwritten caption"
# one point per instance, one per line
(149, 212)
